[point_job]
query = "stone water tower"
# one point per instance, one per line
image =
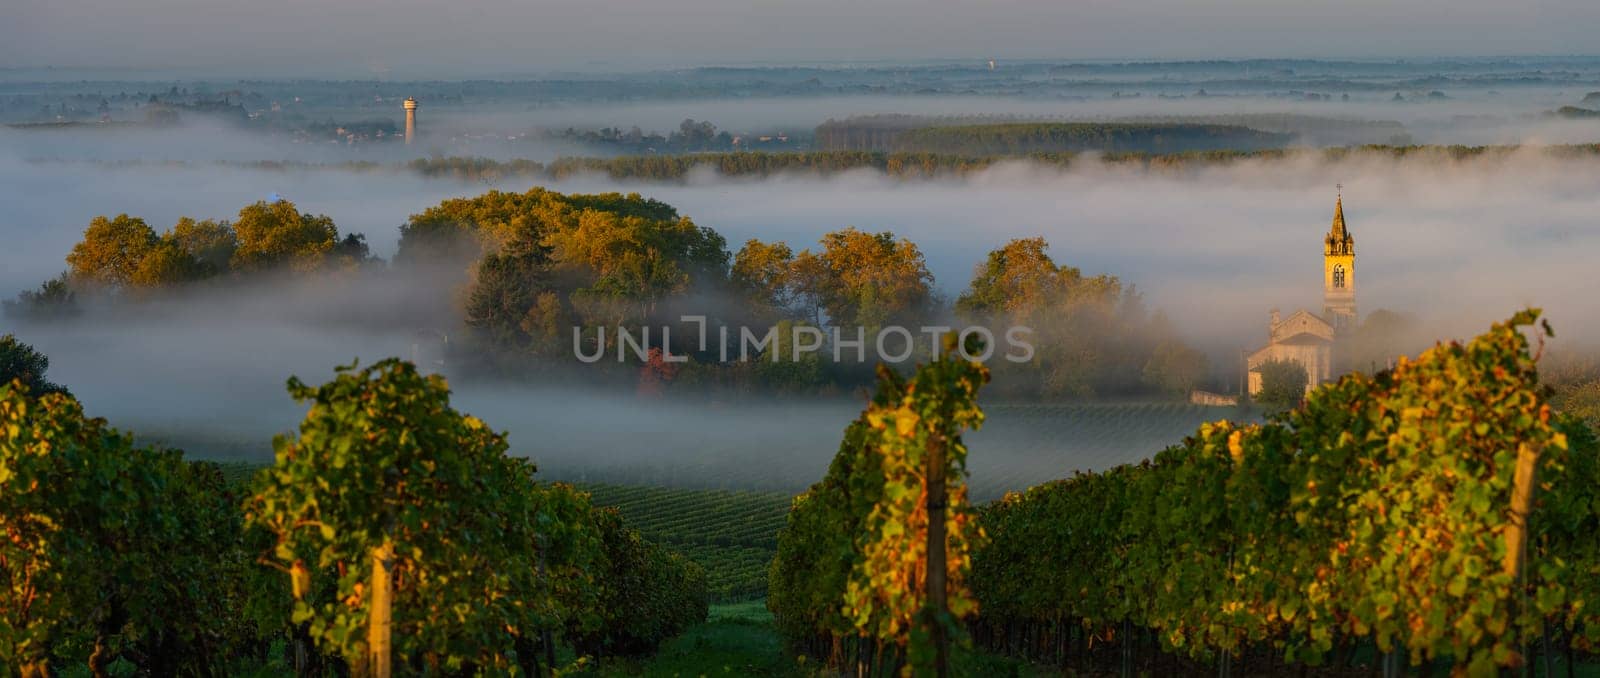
(411, 119)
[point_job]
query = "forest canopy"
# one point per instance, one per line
(537, 279)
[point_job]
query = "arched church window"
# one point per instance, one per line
(1338, 275)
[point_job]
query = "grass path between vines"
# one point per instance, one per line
(738, 639)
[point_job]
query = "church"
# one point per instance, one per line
(1308, 338)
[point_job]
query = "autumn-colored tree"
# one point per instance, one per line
(1018, 280)
(1076, 326)
(210, 242)
(547, 324)
(276, 234)
(1091, 334)
(809, 281)
(610, 260)
(620, 257)
(655, 374)
(865, 279)
(462, 229)
(125, 253)
(468, 227)
(111, 250)
(760, 276)
(167, 264)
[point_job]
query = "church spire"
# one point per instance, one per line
(1339, 240)
(1338, 214)
(1339, 270)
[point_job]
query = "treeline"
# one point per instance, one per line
(884, 131)
(931, 165)
(672, 168)
(879, 132)
(124, 254)
(915, 134)
(1025, 138)
(548, 283)
(822, 163)
(692, 136)
(393, 535)
(897, 164)
(1306, 130)
(1575, 113)
(1439, 513)
(557, 272)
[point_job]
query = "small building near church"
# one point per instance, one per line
(1308, 338)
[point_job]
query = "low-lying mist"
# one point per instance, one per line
(512, 129)
(1457, 244)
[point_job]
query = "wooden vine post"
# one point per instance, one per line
(1521, 507)
(380, 615)
(1517, 530)
(913, 547)
(938, 606)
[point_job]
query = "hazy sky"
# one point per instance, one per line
(501, 37)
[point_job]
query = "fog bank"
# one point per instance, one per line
(1457, 244)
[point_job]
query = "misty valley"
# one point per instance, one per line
(1288, 366)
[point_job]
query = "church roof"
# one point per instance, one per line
(1301, 326)
(1339, 240)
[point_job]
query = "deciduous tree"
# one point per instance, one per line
(111, 250)
(761, 276)
(277, 234)
(210, 242)
(21, 363)
(1283, 384)
(866, 279)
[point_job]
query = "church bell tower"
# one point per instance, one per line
(1339, 271)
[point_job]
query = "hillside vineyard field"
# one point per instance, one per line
(733, 535)
(799, 339)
